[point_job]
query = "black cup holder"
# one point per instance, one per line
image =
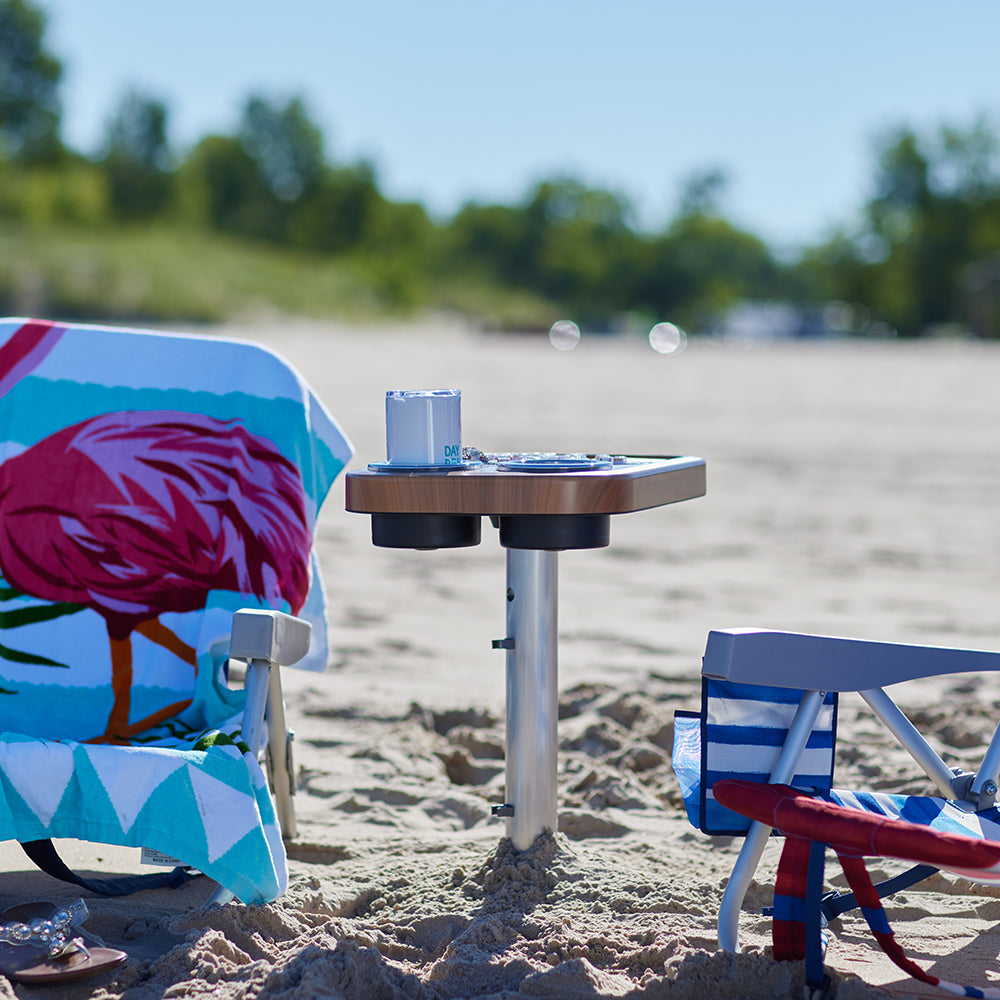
(554, 532)
(426, 531)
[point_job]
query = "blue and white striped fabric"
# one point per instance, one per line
(739, 734)
(931, 811)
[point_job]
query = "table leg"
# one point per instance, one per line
(532, 693)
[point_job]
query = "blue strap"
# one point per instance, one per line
(836, 903)
(815, 977)
(43, 854)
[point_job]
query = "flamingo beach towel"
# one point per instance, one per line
(150, 485)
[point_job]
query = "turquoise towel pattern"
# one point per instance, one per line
(209, 808)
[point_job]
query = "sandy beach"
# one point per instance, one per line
(852, 490)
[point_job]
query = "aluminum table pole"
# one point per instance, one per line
(532, 693)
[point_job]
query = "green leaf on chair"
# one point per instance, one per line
(36, 613)
(214, 738)
(16, 656)
(30, 615)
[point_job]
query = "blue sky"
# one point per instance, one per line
(454, 100)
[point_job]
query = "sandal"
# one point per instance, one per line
(41, 943)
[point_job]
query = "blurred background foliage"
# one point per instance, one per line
(266, 218)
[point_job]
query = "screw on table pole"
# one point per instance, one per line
(532, 694)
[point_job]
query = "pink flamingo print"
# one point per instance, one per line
(138, 513)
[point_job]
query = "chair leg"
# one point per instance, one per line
(282, 781)
(739, 882)
(911, 740)
(753, 847)
(220, 897)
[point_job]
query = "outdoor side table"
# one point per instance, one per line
(541, 507)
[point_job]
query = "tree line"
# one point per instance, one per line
(925, 253)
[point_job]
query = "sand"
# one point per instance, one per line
(852, 491)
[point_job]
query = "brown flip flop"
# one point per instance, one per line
(42, 943)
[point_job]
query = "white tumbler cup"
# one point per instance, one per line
(423, 426)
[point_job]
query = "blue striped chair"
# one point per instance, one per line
(768, 716)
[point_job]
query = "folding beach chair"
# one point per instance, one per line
(759, 756)
(157, 501)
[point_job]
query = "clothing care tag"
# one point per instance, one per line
(150, 856)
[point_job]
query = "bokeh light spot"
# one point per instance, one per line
(667, 338)
(564, 335)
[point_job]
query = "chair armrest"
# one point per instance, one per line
(265, 639)
(829, 663)
(273, 636)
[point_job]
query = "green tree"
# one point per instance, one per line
(935, 210)
(702, 192)
(137, 158)
(220, 186)
(701, 265)
(488, 241)
(566, 241)
(29, 86)
(285, 144)
(271, 181)
(337, 211)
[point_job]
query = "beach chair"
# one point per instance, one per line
(157, 500)
(759, 757)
